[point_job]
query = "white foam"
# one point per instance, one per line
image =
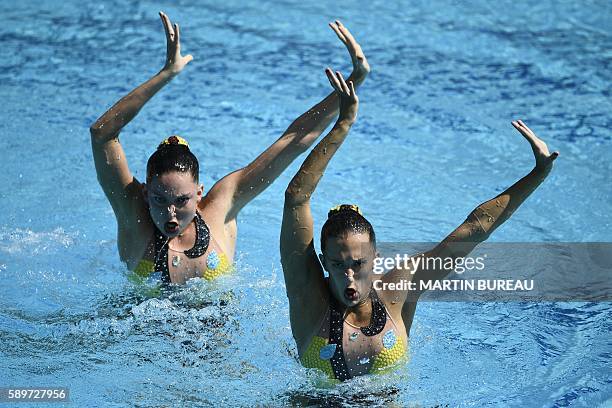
(16, 241)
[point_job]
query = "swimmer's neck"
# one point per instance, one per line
(185, 240)
(360, 314)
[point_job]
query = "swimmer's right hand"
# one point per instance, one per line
(174, 61)
(361, 68)
(544, 159)
(349, 102)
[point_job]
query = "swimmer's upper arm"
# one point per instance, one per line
(457, 244)
(243, 185)
(304, 279)
(119, 185)
(220, 196)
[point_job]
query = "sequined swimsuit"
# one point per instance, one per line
(216, 264)
(343, 351)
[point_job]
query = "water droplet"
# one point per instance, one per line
(364, 360)
(353, 336)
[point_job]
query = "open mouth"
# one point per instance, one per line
(351, 294)
(171, 227)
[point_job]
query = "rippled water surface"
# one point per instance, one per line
(432, 141)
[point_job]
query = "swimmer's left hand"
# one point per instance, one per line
(174, 61)
(361, 68)
(349, 102)
(544, 159)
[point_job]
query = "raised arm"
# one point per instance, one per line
(111, 165)
(302, 270)
(488, 216)
(241, 186)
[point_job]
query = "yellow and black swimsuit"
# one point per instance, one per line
(327, 352)
(216, 264)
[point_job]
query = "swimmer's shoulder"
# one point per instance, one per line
(223, 230)
(399, 300)
(222, 233)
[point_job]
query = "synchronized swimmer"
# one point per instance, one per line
(342, 324)
(167, 224)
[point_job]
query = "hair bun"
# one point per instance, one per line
(173, 140)
(342, 208)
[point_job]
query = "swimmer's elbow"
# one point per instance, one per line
(290, 192)
(100, 135)
(96, 135)
(95, 130)
(295, 196)
(475, 229)
(290, 195)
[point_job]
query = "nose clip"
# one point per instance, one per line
(172, 209)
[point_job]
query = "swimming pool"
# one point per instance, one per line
(432, 140)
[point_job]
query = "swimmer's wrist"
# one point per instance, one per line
(545, 165)
(344, 124)
(166, 74)
(356, 78)
(541, 172)
(543, 168)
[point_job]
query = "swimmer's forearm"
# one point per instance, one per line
(307, 178)
(493, 213)
(485, 218)
(108, 126)
(478, 226)
(309, 126)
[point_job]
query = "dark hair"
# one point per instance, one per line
(343, 219)
(173, 154)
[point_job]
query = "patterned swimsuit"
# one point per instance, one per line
(216, 264)
(343, 351)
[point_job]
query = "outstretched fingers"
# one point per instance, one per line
(523, 129)
(177, 35)
(167, 26)
(345, 88)
(338, 82)
(352, 86)
(534, 141)
(540, 149)
(361, 68)
(345, 36)
(333, 80)
(174, 61)
(334, 26)
(345, 32)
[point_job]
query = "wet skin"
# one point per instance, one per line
(173, 198)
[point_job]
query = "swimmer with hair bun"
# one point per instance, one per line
(342, 324)
(168, 225)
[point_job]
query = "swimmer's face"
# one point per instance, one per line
(349, 259)
(173, 198)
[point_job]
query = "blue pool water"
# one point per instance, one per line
(432, 141)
